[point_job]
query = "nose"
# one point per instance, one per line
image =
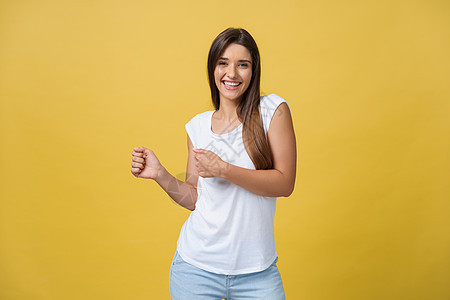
(231, 71)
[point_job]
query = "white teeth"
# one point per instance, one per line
(231, 83)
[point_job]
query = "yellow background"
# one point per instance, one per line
(83, 82)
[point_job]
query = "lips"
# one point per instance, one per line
(231, 85)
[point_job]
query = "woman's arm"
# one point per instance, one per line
(276, 182)
(146, 165)
(183, 193)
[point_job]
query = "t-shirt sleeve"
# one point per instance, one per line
(190, 129)
(269, 105)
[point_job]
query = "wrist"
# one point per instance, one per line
(162, 172)
(224, 169)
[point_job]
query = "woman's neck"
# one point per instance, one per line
(227, 111)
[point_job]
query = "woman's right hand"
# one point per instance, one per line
(145, 164)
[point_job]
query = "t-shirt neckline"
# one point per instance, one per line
(223, 134)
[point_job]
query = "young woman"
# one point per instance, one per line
(241, 157)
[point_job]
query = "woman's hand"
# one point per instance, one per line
(145, 164)
(209, 164)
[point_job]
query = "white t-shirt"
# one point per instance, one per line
(231, 230)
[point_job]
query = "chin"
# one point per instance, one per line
(231, 97)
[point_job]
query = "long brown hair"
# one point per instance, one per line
(253, 134)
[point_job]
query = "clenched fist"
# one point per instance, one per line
(145, 164)
(209, 164)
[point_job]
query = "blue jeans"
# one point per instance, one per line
(188, 282)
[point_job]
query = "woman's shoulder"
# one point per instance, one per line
(271, 102)
(201, 116)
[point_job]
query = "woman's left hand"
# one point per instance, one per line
(209, 164)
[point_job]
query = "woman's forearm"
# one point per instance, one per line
(267, 183)
(181, 192)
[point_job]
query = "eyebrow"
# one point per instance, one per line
(241, 60)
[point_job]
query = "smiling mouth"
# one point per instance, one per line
(231, 84)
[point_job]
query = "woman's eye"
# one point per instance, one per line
(244, 65)
(222, 63)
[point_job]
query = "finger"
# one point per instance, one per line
(138, 159)
(147, 151)
(137, 165)
(135, 171)
(140, 154)
(139, 149)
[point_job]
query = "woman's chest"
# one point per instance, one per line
(230, 148)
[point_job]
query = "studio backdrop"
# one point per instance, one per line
(84, 82)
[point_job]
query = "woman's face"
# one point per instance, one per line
(233, 72)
